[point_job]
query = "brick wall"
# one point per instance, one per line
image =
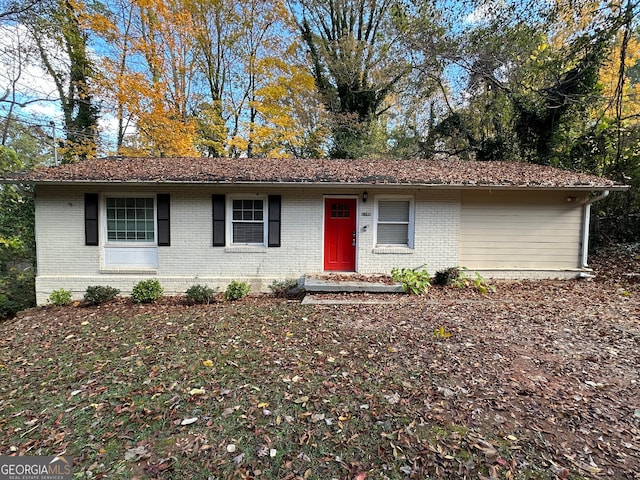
(65, 262)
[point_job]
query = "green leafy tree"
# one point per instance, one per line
(17, 240)
(356, 63)
(62, 43)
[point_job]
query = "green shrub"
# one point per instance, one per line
(200, 294)
(18, 291)
(236, 290)
(7, 307)
(446, 277)
(478, 282)
(60, 297)
(415, 281)
(481, 285)
(282, 288)
(98, 294)
(147, 291)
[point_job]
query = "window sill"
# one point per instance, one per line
(246, 249)
(129, 270)
(393, 250)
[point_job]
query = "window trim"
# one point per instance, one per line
(104, 227)
(229, 220)
(411, 223)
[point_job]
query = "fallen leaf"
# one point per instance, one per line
(393, 398)
(136, 453)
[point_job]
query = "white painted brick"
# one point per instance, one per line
(65, 262)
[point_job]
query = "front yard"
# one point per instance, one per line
(539, 380)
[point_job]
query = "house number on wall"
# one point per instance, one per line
(366, 214)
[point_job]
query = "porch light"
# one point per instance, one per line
(365, 195)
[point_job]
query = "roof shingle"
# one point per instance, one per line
(443, 173)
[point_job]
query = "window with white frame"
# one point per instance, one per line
(248, 221)
(130, 220)
(394, 222)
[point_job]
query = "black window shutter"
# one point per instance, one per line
(274, 220)
(218, 220)
(91, 219)
(163, 216)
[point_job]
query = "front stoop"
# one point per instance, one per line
(341, 284)
(317, 284)
(310, 299)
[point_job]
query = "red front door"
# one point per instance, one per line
(340, 234)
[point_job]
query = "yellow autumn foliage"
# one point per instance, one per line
(609, 77)
(289, 111)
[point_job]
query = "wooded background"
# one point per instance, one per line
(554, 83)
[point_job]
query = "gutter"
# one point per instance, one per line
(585, 226)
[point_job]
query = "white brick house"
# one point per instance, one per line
(115, 221)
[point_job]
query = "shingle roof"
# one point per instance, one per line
(440, 173)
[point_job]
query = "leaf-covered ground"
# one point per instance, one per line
(538, 380)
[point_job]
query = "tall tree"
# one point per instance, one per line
(214, 37)
(62, 43)
(290, 118)
(265, 31)
(526, 75)
(356, 63)
(149, 75)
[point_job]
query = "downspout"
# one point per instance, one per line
(585, 226)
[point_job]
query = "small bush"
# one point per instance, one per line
(481, 285)
(60, 297)
(236, 290)
(282, 288)
(99, 294)
(7, 307)
(147, 291)
(415, 281)
(18, 291)
(446, 277)
(463, 280)
(200, 294)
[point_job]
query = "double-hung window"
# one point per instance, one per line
(130, 232)
(248, 221)
(394, 222)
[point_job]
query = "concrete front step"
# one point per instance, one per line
(310, 299)
(326, 284)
